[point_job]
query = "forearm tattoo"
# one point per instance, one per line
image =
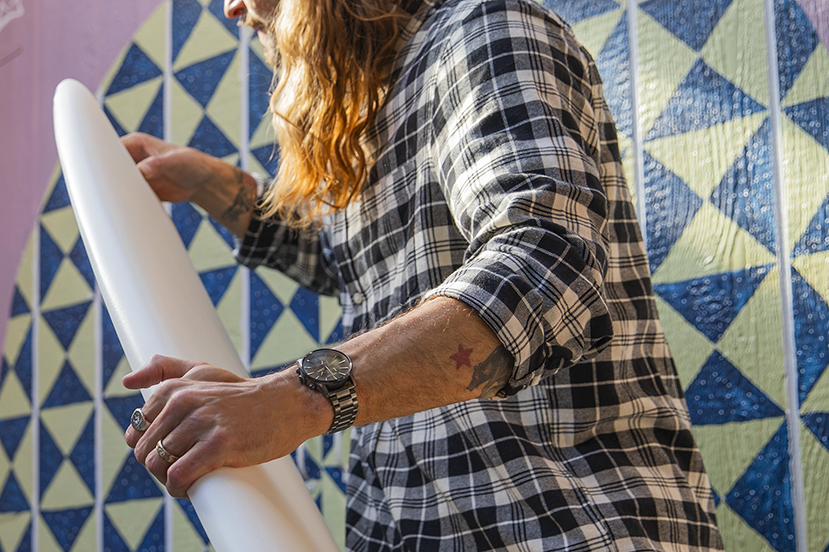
(492, 374)
(245, 197)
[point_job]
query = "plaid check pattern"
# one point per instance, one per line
(498, 182)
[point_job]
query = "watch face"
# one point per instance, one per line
(326, 365)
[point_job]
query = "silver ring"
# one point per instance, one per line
(137, 420)
(162, 452)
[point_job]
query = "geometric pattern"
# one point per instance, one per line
(699, 124)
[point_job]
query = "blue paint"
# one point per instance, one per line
(260, 80)
(133, 482)
(812, 117)
(186, 14)
(113, 541)
(209, 139)
(11, 433)
(818, 424)
(111, 350)
(66, 524)
(306, 306)
(190, 512)
(80, 259)
(691, 22)
(201, 79)
(19, 304)
(217, 281)
(265, 309)
(59, 197)
(66, 321)
(811, 328)
(13, 499)
(573, 12)
(68, 389)
(153, 121)
(83, 454)
(186, 219)
(121, 408)
(51, 458)
(796, 40)
(50, 258)
(137, 68)
(268, 157)
(613, 63)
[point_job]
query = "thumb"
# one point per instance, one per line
(147, 168)
(158, 369)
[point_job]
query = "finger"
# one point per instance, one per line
(163, 425)
(158, 369)
(137, 145)
(197, 462)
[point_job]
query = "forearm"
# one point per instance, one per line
(438, 354)
(229, 196)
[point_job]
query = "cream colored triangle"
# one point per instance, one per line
(330, 314)
(51, 357)
(702, 158)
(114, 387)
(229, 309)
(711, 244)
(208, 39)
(806, 178)
(62, 228)
(185, 536)
(113, 70)
(812, 83)
(228, 93)
(664, 61)
(133, 518)
(594, 31)
(67, 490)
(68, 288)
(728, 449)
(264, 135)
(736, 534)
(65, 423)
(87, 539)
(46, 540)
(736, 49)
(24, 465)
(333, 504)
(17, 329)
(815, 269)
(280, 285)
(208, 251)
(114, 450)
(286, 341)
(187, 114)
(13, 400)
(25, 277)
(753, 341)
(82, 351)
(5, 467)
(254, 167)
(14, 526)
(689, 347)
(151, 36)
(816, 485)
(818, 398)
(130, 106)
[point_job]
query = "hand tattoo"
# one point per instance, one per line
(492, 373)
(245, 197)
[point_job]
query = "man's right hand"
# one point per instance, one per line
(178, 173)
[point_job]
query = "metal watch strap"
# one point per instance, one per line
(344, 401)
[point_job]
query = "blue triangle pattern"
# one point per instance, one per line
(190, 512)
(111, 350)
(26, 540)
(13, 499)
(122, 408)
(66, 321)
(336, 475)
(50, 258)
(312, 470)
(186, 14)
(762, 496)
(209, 139)
(796, 40)
(83, 454)
(306, 306)
(265, 309)
(746, 192)
(268, 157)
(19, 305)
(114, 122)
(811, 328)
(134, 482)
(11, 433)
(337, 334)
(818, 424)
(113, 541)
(260, 78)
(137, 68)
(154, 537)
(80, 259)
(721, 394)
(702, 101)
(216, 7)
(671, 206)
(51, 458)
(201, 79)
(59, 197)
(153, 122)
(226, 234)
(327, 444)
(711, 303)
(812, 117)
(816, 237)
(613, 63)
(5, 368)
(691, 22)
(68, 389)
(186, 219)
(217, 281)
(573, 12)
(23, 367)
(66, 524)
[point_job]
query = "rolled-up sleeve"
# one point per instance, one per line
(515, 145)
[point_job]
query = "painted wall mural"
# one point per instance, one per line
(724, 120)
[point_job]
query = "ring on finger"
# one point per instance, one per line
(164, 454)
(138, 421)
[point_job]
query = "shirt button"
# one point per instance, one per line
(357, 298)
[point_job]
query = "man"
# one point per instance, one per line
(450, 168)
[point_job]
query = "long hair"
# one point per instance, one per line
(333, 59)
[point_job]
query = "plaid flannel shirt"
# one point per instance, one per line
(498, 182)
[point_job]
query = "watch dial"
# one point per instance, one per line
(327, 365)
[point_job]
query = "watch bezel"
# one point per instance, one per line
(329, 384)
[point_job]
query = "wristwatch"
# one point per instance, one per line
(329, 372)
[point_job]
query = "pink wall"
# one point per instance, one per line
(55, 39)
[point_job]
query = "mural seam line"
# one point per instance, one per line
(639, 159)
(35, 389)
(244, 163)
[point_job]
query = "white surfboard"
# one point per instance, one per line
(159, 306)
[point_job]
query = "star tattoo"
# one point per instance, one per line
(461, 358)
